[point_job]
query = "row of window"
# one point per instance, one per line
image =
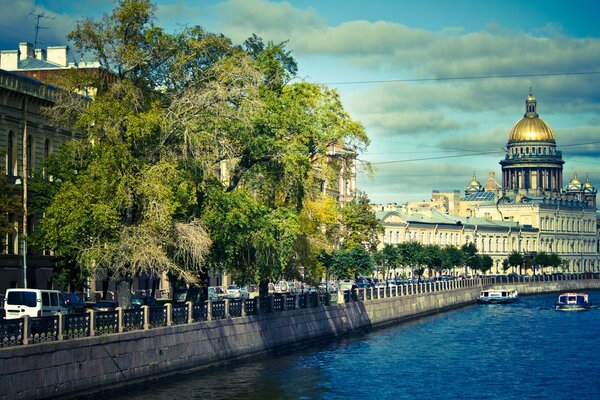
(567, 224)
(12, 166)
(534, 151)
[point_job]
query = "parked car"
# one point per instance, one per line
(237, 292)
(105, 305)
(74, 303)
(33, 303)
(139, 301)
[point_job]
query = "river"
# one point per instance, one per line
(524, 350)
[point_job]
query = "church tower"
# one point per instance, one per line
(532, 161)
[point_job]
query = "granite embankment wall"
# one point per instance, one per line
(69, 368)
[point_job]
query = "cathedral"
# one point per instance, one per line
(531, 211)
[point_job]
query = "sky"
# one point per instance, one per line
(437, 85)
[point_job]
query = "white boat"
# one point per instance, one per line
(572, 302)
(498, 296)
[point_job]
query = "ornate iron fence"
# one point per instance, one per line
(218, 309)
(11, 332)
(133, 319)
(157, 317)
(235, 308)
(277, 303)
(179, 314)
(106, 322)
(199, 312)
(251, 306)
(76, 326)
(291, 302)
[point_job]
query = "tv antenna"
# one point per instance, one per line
(38, 17)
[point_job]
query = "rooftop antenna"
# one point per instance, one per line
(37, 25)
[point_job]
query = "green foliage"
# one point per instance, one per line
(351, 263)
(187, 131)
(10, 202)
(515, 259)
(359, 226)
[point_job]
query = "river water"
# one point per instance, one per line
(524, 350)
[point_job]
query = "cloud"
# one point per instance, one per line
(17, 24)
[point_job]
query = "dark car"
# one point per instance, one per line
(105, 305)
(74, 303)
(139, 301)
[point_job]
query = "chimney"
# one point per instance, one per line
(25, 50)
(9, 60)
(40, 54)
(58, 55)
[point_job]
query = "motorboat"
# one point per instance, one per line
(572, 301)
(498, 296)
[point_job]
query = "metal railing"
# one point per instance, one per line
(28, 330)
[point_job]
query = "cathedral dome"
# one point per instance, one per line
(574, 184)
(531, 127)
(587, 186)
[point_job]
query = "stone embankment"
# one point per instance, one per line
(72, 367)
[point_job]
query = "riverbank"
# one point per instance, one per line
(71, 367)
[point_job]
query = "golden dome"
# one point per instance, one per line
(575, 180)
(588, 184)
(528, 129)
(531, 127)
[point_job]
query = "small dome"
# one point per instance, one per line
(531, 127)
(474, 186)
(574, 184)
(587, 186)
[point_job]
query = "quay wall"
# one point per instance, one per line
(550, 286)
(74, 367)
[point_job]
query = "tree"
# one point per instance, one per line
(359, 226)
(515, 259)
(542, 259)
(411, 255)
(469, 251)
(188, 133)
(433, 258)
(452, 257)
(484, 263)
(10, 203)
(351, 263)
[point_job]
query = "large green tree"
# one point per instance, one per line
(193, 142)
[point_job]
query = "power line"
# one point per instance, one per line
(464, 155)
(463, 78)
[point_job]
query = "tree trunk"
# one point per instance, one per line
(124, 292)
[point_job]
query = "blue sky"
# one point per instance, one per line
(426, 135)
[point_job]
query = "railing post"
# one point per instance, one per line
(284, 302)
(297, 301)
(257, 305)
(340, 297)
(169, 308)
(271, 299)
(243, 307)
(61, 325)
(119, 311)
(190, 309)
(146, 317)
(209, 311)
(92, 322)
(226, 308)
(25, 329)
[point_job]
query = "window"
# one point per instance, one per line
(29, 155)
(45, 298)
(10, 155)
(54, 299)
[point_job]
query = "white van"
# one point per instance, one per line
(33, 303)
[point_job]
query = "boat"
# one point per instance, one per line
(498, 296)
(571, 301)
